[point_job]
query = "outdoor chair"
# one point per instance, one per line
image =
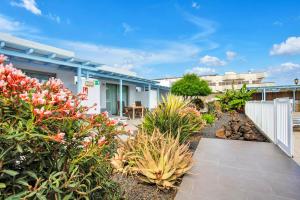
(138, 112)
(128, 112)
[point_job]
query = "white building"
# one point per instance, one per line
(104, 86)
(220, 83)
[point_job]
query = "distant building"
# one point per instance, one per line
(220, 83)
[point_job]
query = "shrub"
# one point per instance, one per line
(214, 108)
(173, 116)
(49, 148)
(157, 159)
(235, 99)
(190, 86)
(208, 118)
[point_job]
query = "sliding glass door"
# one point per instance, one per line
(112, 97)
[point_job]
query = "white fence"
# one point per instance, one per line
(274, 118)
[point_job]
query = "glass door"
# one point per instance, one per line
(111, 98)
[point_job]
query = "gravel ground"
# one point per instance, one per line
(133, 189)
(210, 130)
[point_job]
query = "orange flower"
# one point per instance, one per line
(59, 137)
(102, 142)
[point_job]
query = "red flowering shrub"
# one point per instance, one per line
(49, 147)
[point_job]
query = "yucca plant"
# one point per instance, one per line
(173, 116)
(156, 159)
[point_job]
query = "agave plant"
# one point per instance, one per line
(173, 116)
(157, 159)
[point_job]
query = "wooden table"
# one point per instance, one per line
(136, 108)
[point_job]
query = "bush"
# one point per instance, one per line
(190, 86)
(214, 108)
(49, 148)
(235, 99)
(208, 118)
(157, 159)
(173, 116)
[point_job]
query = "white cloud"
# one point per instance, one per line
(284, 67)
(277, 23)
(29, 5)
(9, 25)
(284, 73)
(206, 27)
(231, 55)
(54, 18)
(195, 5)
(212, 61)
(127, 28)
(201, 71)
(289, 47)
(138, 59)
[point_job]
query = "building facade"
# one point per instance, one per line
(105, 88)
(220, 83)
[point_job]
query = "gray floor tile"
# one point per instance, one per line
(228, 170)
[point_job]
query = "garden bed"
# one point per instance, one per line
(236, 126)
(134, 189)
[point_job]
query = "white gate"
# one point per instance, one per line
(284, 126)
(274, 118)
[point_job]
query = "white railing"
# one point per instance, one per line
(274, 118)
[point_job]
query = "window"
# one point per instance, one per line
(41, 76)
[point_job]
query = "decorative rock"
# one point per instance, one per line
(220, 133)
(227, 133)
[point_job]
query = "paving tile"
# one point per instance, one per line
(228, 170)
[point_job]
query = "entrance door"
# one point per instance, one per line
(111, 98)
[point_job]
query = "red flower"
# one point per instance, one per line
(59, 137)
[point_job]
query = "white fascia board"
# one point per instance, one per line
(9, 39)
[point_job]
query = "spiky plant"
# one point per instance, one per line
(156, 159)
(173, 115)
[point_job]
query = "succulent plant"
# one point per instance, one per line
(157, 158)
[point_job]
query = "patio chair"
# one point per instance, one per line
(138, 112)
(138, 103)
(128, 112)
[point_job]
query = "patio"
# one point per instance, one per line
(248, 170)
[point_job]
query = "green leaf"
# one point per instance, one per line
(10, 172)
(17, 196)
(32, 174)
(22, 182)
(41, 196)
(2, 185)
(19, 148)
(69, 196)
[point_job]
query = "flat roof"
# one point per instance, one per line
(17, 47)
(275, 87)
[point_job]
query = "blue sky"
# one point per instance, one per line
(158, 38)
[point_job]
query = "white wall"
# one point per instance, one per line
(131, 94)
(93, 95)
(144, 98)
(66, 76)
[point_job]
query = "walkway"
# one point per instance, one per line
(297, 145)
(297, 139)
(230, 169)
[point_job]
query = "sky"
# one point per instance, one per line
(157, 38)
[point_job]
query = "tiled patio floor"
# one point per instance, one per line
(229, 170)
